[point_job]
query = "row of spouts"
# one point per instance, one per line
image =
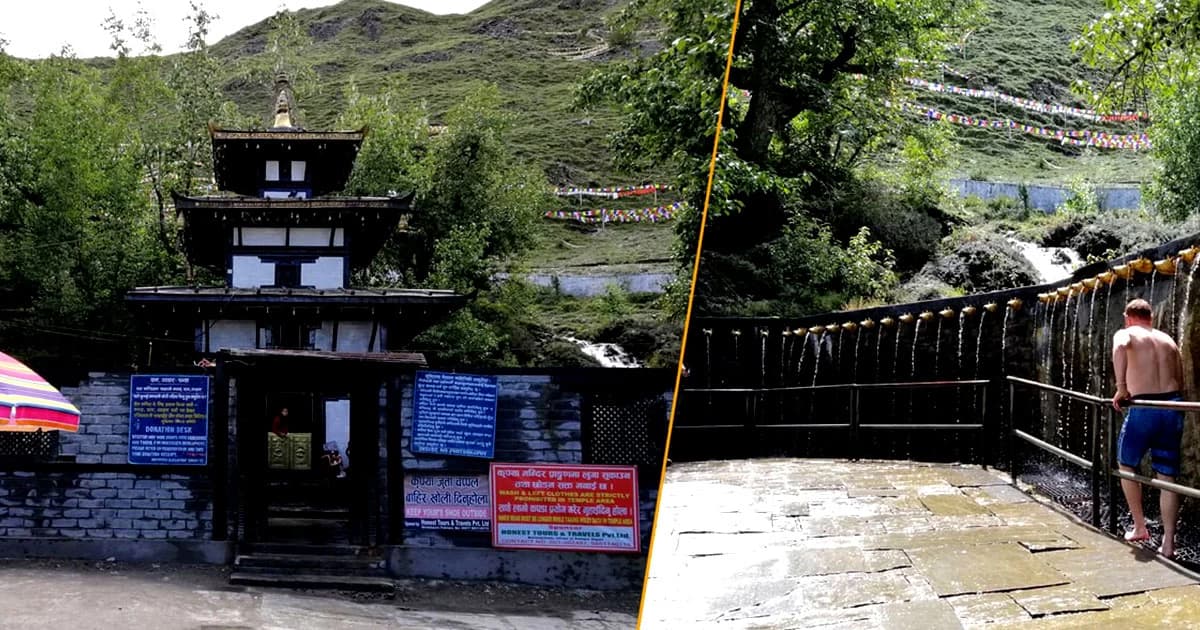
(906, 318)
(1166, 266)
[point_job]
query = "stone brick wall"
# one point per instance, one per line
(104, 505)
(104, 497)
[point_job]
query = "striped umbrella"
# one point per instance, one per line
(29, 403)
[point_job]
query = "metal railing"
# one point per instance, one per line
(1103, 420)
(853, 423)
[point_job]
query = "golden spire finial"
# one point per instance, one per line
(283, 106)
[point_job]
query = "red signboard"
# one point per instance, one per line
(565, 507)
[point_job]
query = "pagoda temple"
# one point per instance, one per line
(287, 246)
(299, 353)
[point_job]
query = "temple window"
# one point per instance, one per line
(298, 170)
(287, 273)
(272, 170)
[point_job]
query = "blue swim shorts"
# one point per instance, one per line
(1156, 430)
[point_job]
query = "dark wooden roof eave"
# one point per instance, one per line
(185, 203)
(217, 134)
(251, 299)
(396, 358)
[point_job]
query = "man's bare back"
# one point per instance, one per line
(1146, 361)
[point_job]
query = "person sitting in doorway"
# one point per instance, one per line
(279, 424)
(331, 461)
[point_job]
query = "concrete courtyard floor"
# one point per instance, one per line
(788, 543)
(67, 594)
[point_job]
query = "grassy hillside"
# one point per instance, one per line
(518, 44)
(1024, 50)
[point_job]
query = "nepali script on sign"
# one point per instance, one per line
(168, 419)
(565, 507)
(455, 414)
(447, 502)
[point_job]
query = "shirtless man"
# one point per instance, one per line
(1148, 367)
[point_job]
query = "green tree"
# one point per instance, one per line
(1150, 56)
(805, 111)
(471, 182)
(476, 206)
(77, 227)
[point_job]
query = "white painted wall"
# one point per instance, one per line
(314, 237)
(355, 337)
(250, 273)
(325, 336)
(229, 333)
(271, 236)
(277, 236)
(325, 273)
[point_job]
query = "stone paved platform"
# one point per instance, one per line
(787, 543)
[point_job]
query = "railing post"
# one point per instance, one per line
(854, 421)
(1098, 463)
(1012, 427)
(984, 452)
(1111, 463)
(751, 421)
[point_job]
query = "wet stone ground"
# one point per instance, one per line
(104, 595)
(789, 543)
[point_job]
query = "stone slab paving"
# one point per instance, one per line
(793, 543)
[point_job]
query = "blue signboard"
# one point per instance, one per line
(455, 414)
(168, 419)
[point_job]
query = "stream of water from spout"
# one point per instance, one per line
(979, 340)
(1040, 314)
(912, 372)
(1065, 376)
(937, 346)
(1187, 302)
(912, 369)
(1150, 297)
(708, 358)
(1004, 340)
(783, 357)
(838, 370)
(854, 368)
(803, 353)
(762, 360)
(737, 364)
(817, 357)
(978, 350)
(878, 341)
(1091, 337)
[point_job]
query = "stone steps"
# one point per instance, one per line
(315, 564)
(308, 580)
(335, 567)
